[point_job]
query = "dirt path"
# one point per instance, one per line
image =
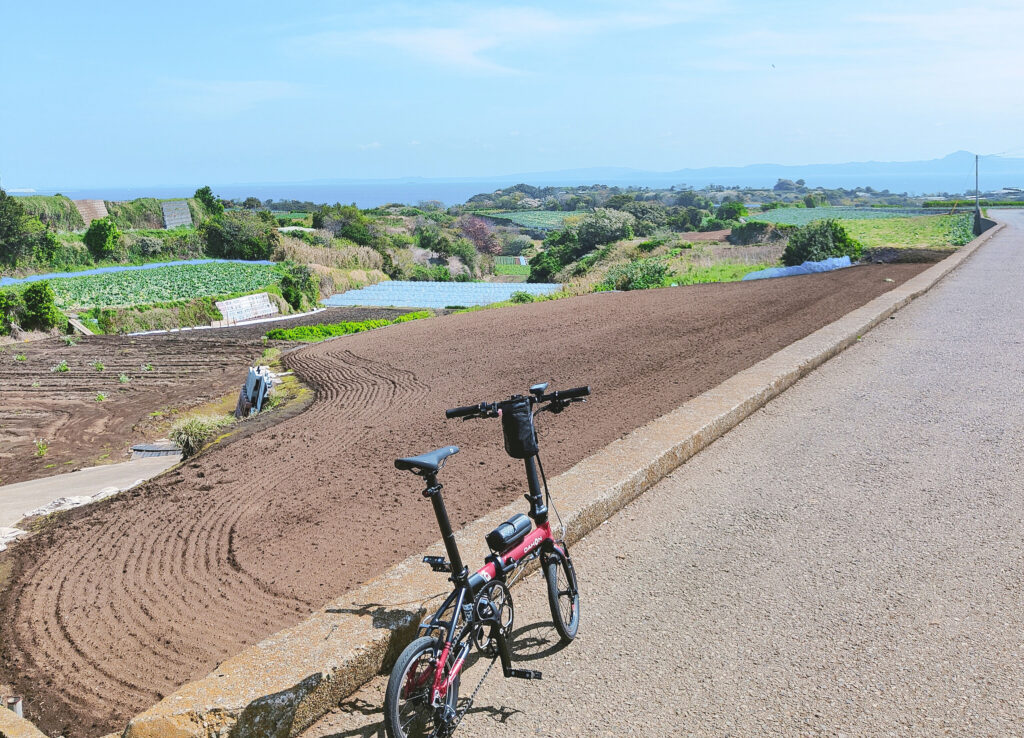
(117, 605)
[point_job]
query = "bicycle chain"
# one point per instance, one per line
(472, 697)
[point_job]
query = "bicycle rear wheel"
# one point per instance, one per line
(563, 594)
(408, 712)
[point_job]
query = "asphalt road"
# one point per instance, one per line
(847, 561)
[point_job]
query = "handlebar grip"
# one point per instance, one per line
(462, 412)
(572, 393)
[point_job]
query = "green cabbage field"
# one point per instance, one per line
(164, 284)
(541, 220)
(803, 216)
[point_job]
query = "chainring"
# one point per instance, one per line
(493, 608)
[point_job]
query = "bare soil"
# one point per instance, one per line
(60, 408)
(115, 605)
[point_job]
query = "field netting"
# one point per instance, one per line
(436, 294)
(808, 267)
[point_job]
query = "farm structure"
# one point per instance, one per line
(193, 566)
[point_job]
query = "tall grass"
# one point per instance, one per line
(57, 211)
(144, 212)
(345, 257)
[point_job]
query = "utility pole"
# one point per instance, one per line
(977, 200)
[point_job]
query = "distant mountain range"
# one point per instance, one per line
(953, 173)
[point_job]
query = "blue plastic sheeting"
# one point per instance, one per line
(436, 294)
(808, 267)
(7, 281)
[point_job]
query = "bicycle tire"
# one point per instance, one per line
(422, 723)
(564, 598)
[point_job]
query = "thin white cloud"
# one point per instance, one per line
(223, 98)
(477, 35)
(369, 146)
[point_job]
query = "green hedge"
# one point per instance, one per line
(310, 333)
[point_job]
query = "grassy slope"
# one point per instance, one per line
(56, 211)
(929, 231)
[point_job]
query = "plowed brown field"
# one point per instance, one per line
(167, 373)
(119, 603)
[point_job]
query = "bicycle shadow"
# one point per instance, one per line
(528, 643)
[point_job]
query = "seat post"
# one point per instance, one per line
(460, 574)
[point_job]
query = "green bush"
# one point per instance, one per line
(103, 238)
(731, 211)
(716, 224)
(758, 231)
(520, 297)
(40, 311)
(209, 201)
(436, 273)
(238, 234)
(191, 434)
(820, 239)
(344, 221)
(642, 274)
(11, 306)
(652, 244)
(300, 287)
(544, 266)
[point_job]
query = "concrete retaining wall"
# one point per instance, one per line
(283, 684)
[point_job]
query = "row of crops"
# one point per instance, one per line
(541, 220)
(803, 216)
(165, 284)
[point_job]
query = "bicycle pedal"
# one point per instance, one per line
(522, 674)
(437, 563)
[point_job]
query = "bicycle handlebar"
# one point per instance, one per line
(559, 399)
(568, 394)
(462, 412)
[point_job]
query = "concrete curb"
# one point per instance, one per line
(12, 726)
(283, 684)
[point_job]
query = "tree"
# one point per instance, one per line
(344, 221)
(618, 202)
(299, 286)
(731, 211)
(605, 226)
(649, 216)
(785, 185)
(252, 203)
(103, 238)
(821, 239)
(237, 234)
(41, 312)
(481, 234)
(205, 195)
(691, 199)
(13, 243)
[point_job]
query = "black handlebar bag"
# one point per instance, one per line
(517, 425)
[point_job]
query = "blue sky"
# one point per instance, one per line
(134, 94)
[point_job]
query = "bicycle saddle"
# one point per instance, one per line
(431, 461)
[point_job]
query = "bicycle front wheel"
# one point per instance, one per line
(408, 712)
(563, 594)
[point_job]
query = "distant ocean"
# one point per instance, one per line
(365, 195)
